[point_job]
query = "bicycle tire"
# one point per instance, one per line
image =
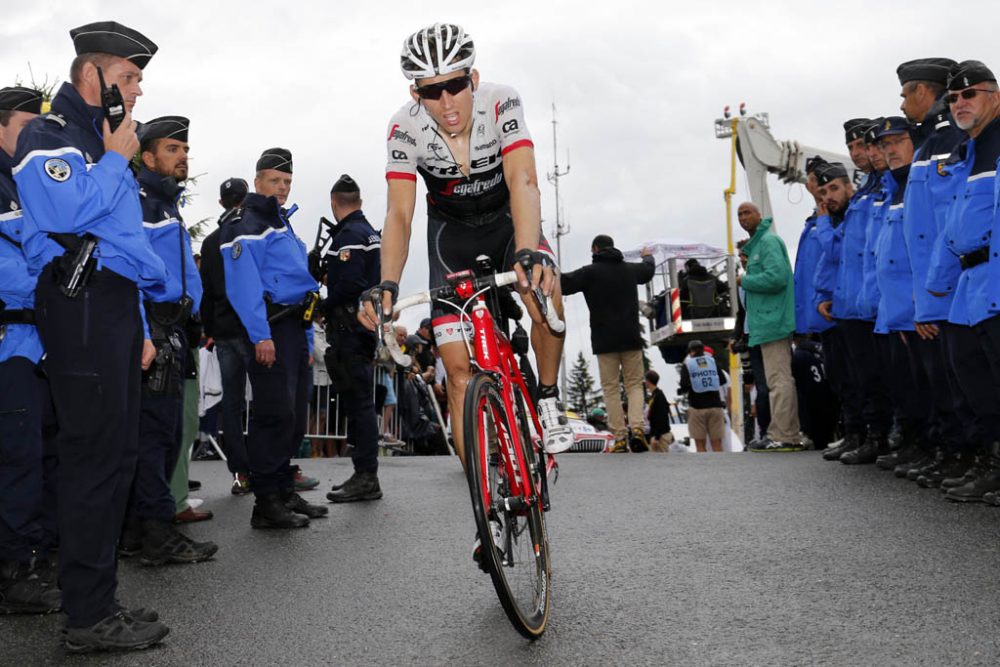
(519, 567)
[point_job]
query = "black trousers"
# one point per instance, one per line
(973, 351)
(279, 409)
(161, 421)
(27, 464)
(930, 358)
(908, 389)
(94, 346)
(841, 379)
(867, 369)
(356, 351)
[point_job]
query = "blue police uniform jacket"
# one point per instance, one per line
(930, 191)
(969, 227)
(807, 257)
(17, 285)
(354, 263)
(892, 262)
(263, 259)
(830, 235)
(170, 239)
(68, 184)
(850, 264)
(868, 297)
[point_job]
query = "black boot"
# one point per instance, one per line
(874, 446)
(338, 487)
(989, 481)
(163, 544)
(910, 449)
(930, 476)
(851, 442)
(23, 591)
(974, 461)
(298, 504)
(931, 462)
(363, 486)
(269, 511)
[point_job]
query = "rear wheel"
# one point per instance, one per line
(511, 527)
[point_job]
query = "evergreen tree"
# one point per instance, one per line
(581, 387)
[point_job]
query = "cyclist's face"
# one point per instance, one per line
(453, 113)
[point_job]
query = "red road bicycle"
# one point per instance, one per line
(506, 466)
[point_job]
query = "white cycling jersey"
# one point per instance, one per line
(414, 146)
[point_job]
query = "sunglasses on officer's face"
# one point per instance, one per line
(433, 91)
(966, 94)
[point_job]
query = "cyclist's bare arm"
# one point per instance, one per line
(402, 196)
(526, 210)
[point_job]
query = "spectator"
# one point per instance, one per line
(609, 287)
(702, 380)
(659, 414)
(755, 377)
(770, 303)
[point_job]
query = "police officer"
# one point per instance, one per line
(855, 323)
(269, 286)
(83, 237)
(963, 263)
(352, 267)
(27, 461)
(168, 308)
(894, 323)
(926, 199)
(224, 330)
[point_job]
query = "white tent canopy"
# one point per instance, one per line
(674, 248)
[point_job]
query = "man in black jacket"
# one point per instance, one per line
(609, 287)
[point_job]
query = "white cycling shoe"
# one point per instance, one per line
(477, 546)
(557, 436)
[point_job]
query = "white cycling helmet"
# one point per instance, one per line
(439, 49)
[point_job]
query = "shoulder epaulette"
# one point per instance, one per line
(55, 118)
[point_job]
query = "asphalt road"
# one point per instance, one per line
(731, 559)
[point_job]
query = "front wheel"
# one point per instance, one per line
(511, 527)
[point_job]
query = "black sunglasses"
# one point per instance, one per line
(966, 94)
(432, 91)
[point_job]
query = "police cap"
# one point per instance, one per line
(892, 125)
(830, 171)
(925, 69)
(345, 184)
(233, 187)
(871, 132)
(814, 164)
(854, 128)
(114, 38)
(968, 73)
(276, 158)
(19, 98)
(164, 127)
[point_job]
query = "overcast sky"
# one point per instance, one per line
(637, 86)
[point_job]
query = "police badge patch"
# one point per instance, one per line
(345, 255)
(237, 250)
(58, 169)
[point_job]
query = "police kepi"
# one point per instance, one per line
(270, 288)
(83, 236)
(353, 266)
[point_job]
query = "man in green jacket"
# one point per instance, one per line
(769, 284)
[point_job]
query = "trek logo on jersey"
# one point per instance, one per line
(396, 133)
(471, 189)
(510, 126)
(503, 107)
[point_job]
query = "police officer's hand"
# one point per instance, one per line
(385, 292)
(148, 354)
(927, 331)
(824, 310)
(123, 140)
(821, 208)
(264, 351)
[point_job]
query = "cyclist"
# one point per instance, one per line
(469, 142)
